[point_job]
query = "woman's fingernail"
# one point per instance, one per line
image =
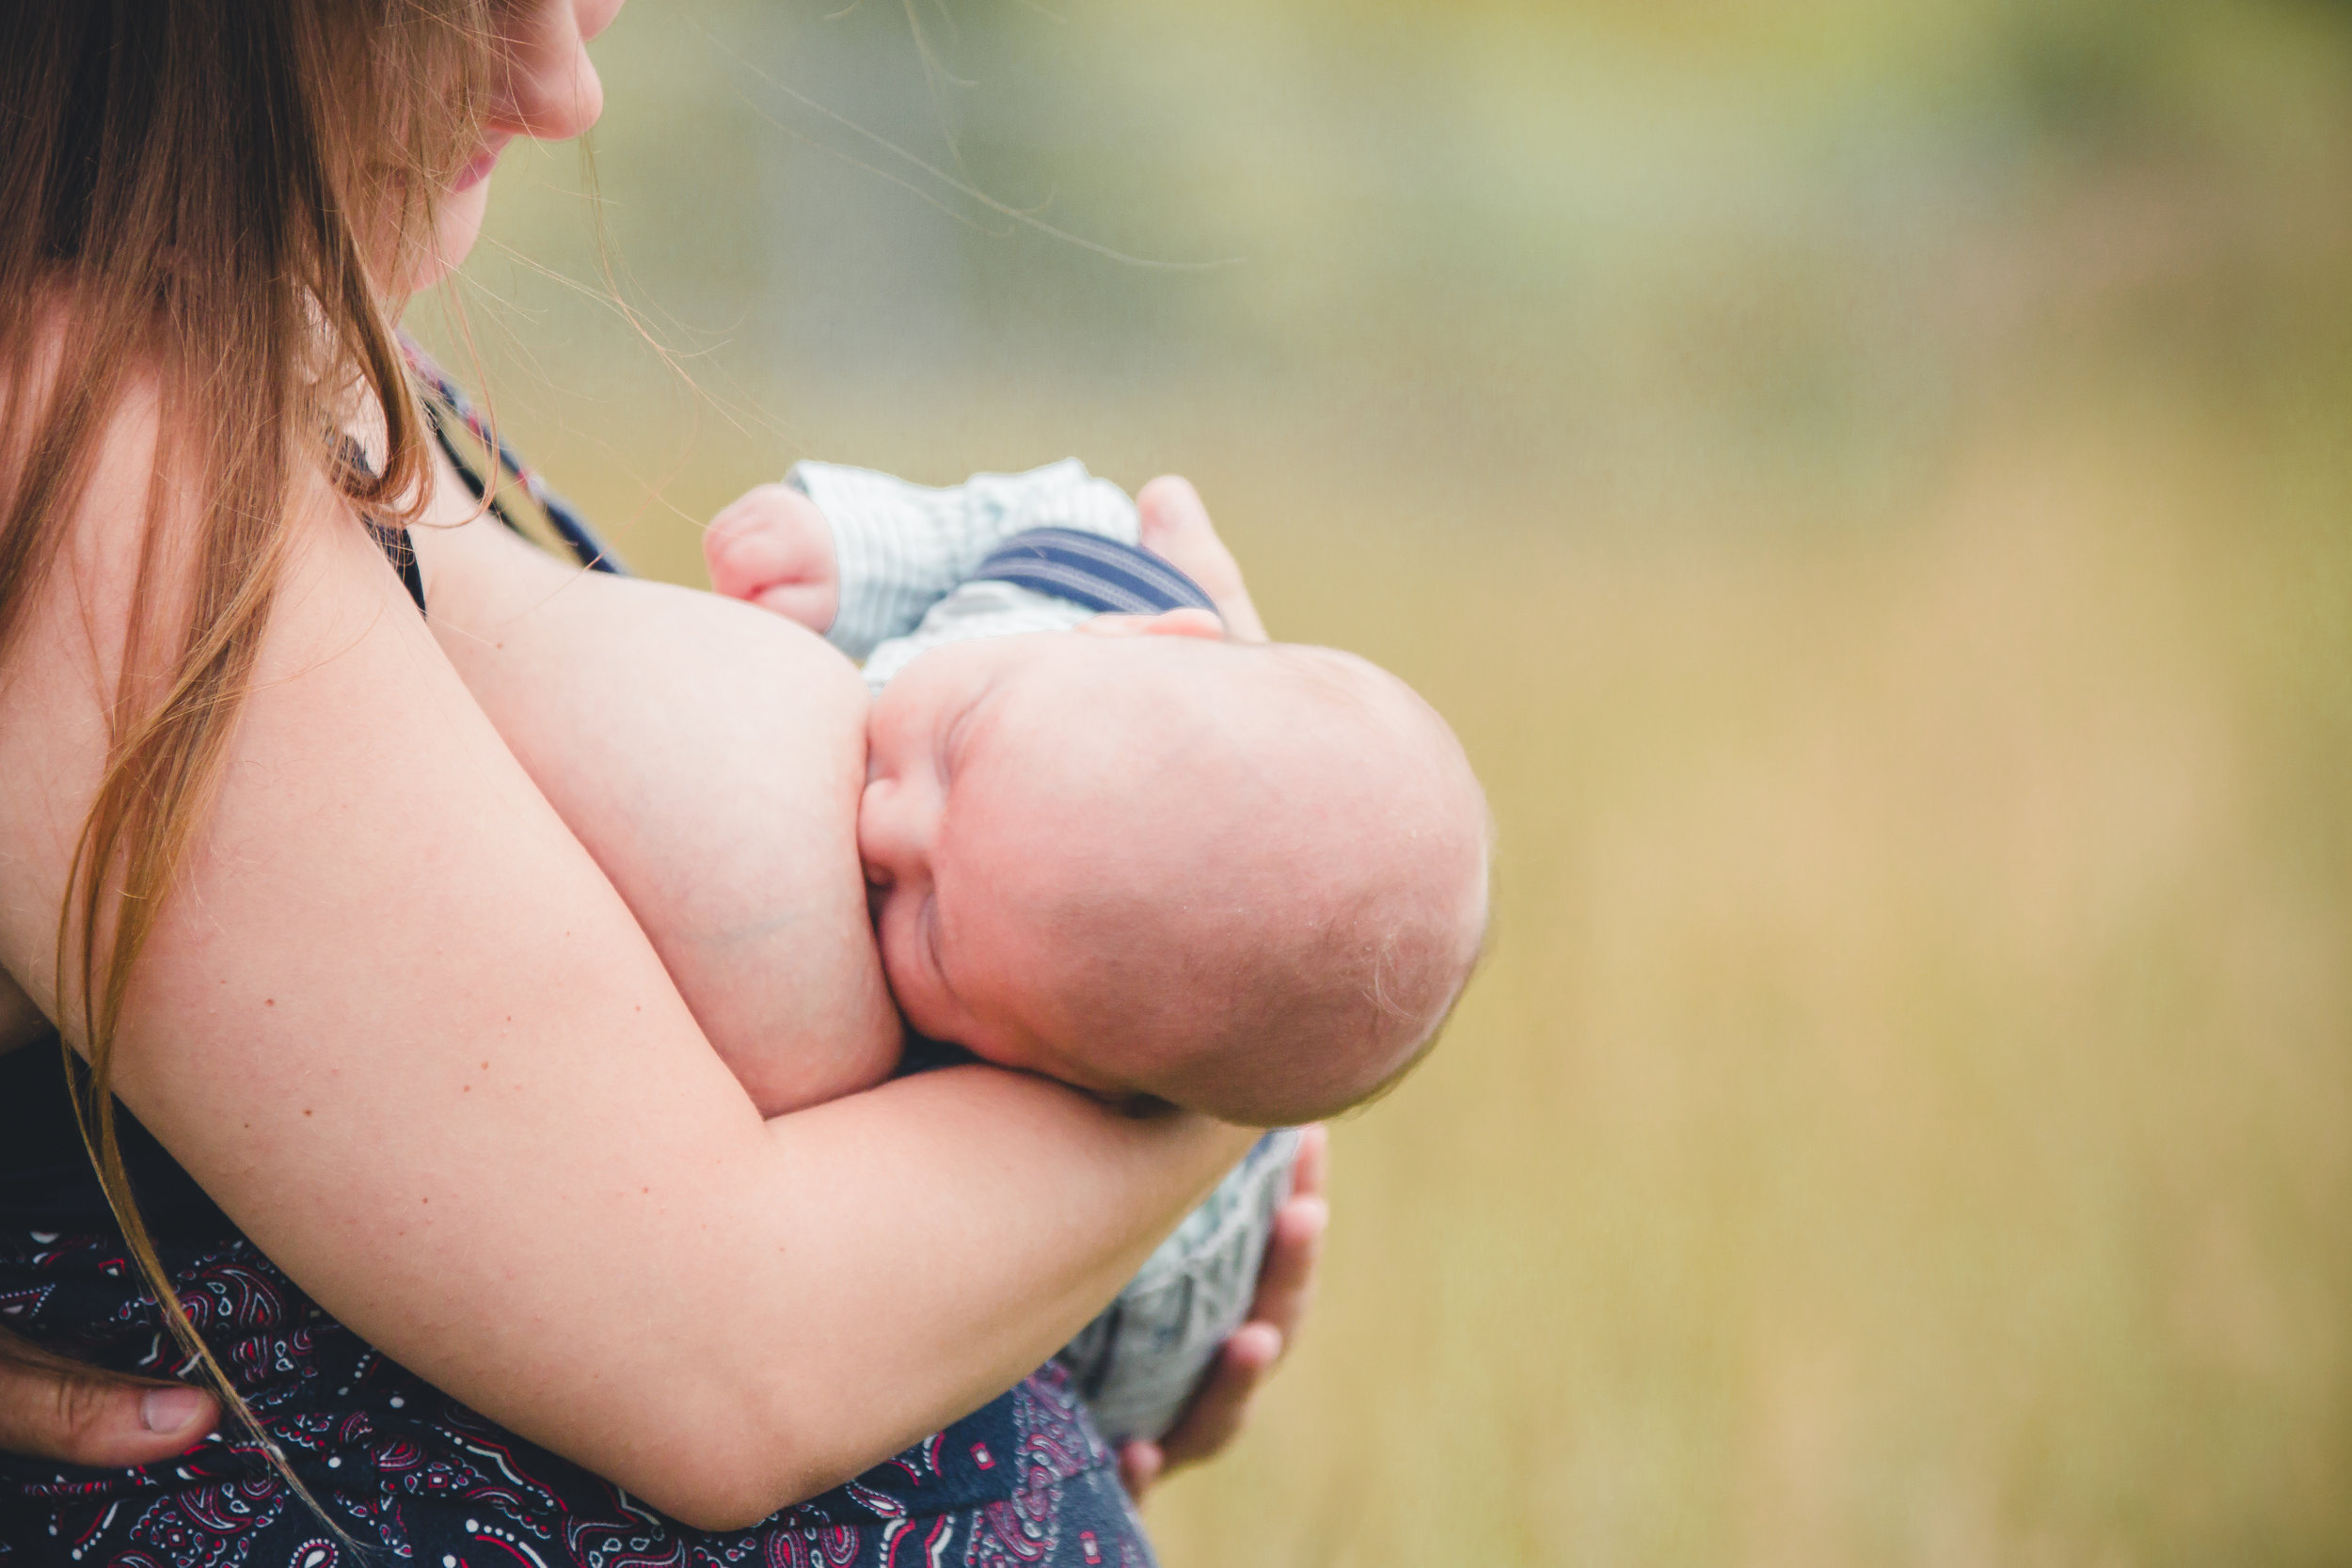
(169, 1410)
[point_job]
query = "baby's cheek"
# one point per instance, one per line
(908, 971)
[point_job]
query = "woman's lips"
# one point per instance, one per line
(478, 168)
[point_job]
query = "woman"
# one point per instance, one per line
(326, 940)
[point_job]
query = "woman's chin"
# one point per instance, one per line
(454, 235)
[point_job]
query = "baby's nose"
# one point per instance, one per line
(890, 837)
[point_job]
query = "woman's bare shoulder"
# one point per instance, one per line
(88, 439)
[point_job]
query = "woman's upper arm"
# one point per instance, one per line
(394, 1020)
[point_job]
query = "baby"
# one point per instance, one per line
(1155, 862)
(1100, 839)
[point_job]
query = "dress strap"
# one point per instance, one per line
(395, 542)
(402, 553)
(443, 400)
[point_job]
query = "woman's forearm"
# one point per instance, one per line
(792, 1309)
(725, 1325)
(979, 1177)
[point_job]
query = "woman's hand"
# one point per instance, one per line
(1286, 1286)
(51, 1408)
(1176, 528)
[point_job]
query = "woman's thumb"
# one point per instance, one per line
(65, 1413)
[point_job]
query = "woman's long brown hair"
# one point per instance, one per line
(208, 198)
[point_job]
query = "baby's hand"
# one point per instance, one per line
(773, 548)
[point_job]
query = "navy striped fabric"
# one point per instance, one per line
(1086, 568)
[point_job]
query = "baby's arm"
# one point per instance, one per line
(861, 556)
(720, 799)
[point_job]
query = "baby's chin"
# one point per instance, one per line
(1062, 1065)
(928, 1018)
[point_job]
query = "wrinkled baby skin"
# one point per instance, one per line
(1245, 880)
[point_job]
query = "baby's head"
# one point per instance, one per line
(1246, 879)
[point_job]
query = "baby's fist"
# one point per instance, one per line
(773, 548)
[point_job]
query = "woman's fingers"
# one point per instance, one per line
(50, 1410)
(1221, 1408)
(1312, 1171)
(1176, 528)
(1141, 1463)
(1286, 1280)
(1286, 1287)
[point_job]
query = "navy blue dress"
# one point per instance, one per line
(1024, 1480)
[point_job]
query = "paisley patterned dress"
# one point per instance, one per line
(409, 1473)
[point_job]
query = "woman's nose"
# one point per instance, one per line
(549, 89)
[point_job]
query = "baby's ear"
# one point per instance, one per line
(1187, 622)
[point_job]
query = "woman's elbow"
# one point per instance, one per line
(723, 1492)
(729, 1462)
(718, 1509)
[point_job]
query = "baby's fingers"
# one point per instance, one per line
(747, 549)
(773, 548)
(814, 605)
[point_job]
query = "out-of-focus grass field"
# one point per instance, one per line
(1872, 492)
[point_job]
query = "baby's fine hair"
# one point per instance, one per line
(1330, 896)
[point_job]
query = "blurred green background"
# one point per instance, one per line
(1870, 484)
